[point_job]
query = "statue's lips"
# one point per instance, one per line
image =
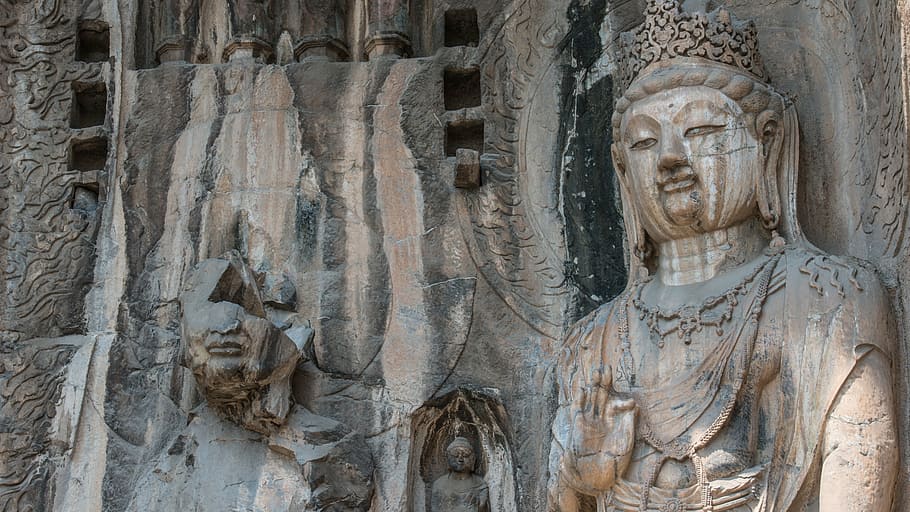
(678, 184)
(225, 349)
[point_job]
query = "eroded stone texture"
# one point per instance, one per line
(319, 140)
(249, 446)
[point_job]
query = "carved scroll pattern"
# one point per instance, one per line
(46, 246)
(885, 213)
(30, 384)
(505, 236)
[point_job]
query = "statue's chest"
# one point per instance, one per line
(460, 500)
(658, 364)
(703, 397)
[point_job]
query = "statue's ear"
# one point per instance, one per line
(770, 135)
(640, 246)
(618, 163)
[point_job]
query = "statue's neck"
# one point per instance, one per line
(702, 257)
(460, 475)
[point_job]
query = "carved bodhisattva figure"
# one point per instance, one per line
(742, 369)
(460, 490)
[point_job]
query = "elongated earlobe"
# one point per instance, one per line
(638, 240)
(770, 135)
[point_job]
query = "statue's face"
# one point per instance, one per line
(690, 162)
(461, 459)
(225, 343)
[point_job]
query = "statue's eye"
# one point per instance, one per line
(704, 130)
(644, 143)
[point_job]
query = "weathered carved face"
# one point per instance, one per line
(241, 360)
(230, 344)
(461, 459)
(690, 162)
(225, 343)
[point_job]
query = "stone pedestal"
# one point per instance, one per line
(247, 48)
(321, 48)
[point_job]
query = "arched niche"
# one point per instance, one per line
(477, 415)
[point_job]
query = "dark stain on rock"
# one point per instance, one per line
(594, 227)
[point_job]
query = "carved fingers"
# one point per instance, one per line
(602, 434)
(598, 403)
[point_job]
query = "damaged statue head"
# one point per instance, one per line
(241, 360)
(738, 351)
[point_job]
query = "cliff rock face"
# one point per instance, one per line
(427, 185)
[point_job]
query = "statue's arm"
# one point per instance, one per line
(560, 495)
(435, 501)
(594, 428)
(859, 444)
(484, 497)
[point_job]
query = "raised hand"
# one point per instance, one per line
(601, 435)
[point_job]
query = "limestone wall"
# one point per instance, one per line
(438, 298)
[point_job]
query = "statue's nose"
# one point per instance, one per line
(672, 153)
(227, 326)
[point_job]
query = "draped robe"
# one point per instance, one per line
(835, 312)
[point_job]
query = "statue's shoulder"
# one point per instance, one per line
(829, 278)
(590, 325)
(820, 284)
(597, 318)
(586, 334)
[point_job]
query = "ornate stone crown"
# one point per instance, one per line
(668, 32)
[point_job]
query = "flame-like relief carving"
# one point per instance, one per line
(47, 238)
(505, 236)
(885, 216)
(874, 154)
(47, 244)
(30, 384)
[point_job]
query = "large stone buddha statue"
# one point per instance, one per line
(742, 369)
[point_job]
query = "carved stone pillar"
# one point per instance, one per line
(252, 34)
(388, 29)
(177, 25)
(323, 32)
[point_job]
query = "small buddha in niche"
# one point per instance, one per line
(460, 490)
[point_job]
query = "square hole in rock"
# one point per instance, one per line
(461, 28)
(461, 88)
(89, 105)
(94, 42)
(466, 134)
(88, 155)
(85, 198)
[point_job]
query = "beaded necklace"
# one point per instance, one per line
(689, 319)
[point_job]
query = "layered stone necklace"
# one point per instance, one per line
(688, 319)
(715, 312)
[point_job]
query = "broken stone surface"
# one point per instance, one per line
(309, 464)
(249, 444)
(467, 168)
(242, 361)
